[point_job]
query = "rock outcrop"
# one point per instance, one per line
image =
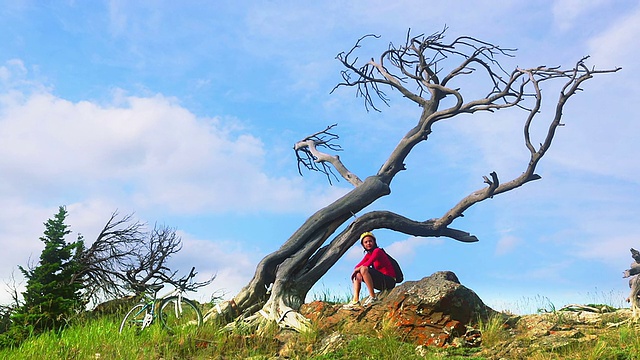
(434, 311)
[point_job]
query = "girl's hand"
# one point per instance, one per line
(355, 272)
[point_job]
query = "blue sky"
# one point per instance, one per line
(186, 114)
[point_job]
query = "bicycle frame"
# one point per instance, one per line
(178, 305)
(150, 309)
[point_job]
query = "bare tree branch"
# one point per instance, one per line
(104, 263)
(418, 61)
(12, 288)
(126, 257)
(150, 263)
(310, 157)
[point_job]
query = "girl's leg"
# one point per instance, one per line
(357, 285)
(368, 280)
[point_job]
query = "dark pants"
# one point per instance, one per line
(381, 281)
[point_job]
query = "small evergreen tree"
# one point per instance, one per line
(52, 292)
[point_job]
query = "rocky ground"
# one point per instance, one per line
(521, 335)
(438, 311)
(552, 332)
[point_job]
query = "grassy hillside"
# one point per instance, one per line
(99, 339)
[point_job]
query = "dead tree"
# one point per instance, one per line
(126, 257)
(103, 264)
(431, 73)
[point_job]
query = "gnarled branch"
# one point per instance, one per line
(310, 157)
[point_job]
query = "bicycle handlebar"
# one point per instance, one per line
(183, 283)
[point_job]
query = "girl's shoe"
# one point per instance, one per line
(352, 305)
(371, 300)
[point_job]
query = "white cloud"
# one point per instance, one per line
(231, 265)
(554, 272)
(600, 134)
(13, 68)
(507, 244)
(117, 17)
(136, 154)
(610, 249)
(401, 250)
(149, 148)
(618, 45)
(566, 12)
(407, 249)
(15, 78)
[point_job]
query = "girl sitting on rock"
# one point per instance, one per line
(375, 270)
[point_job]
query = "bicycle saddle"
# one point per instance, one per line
(155, 287)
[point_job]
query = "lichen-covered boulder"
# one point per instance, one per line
(435, 310)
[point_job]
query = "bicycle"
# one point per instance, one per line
(173, 310)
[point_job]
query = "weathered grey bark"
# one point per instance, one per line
(634, 297)
(291, 271)
(634, 284)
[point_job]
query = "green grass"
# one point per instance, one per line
(329, 296)
(372, 348)
(98, 338)
(363, 347)
(622, 343)
(493, 330)
(92, 339)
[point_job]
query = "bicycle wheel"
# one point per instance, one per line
(179, 313)
(135, 318)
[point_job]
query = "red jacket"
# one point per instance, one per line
(379, 260)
